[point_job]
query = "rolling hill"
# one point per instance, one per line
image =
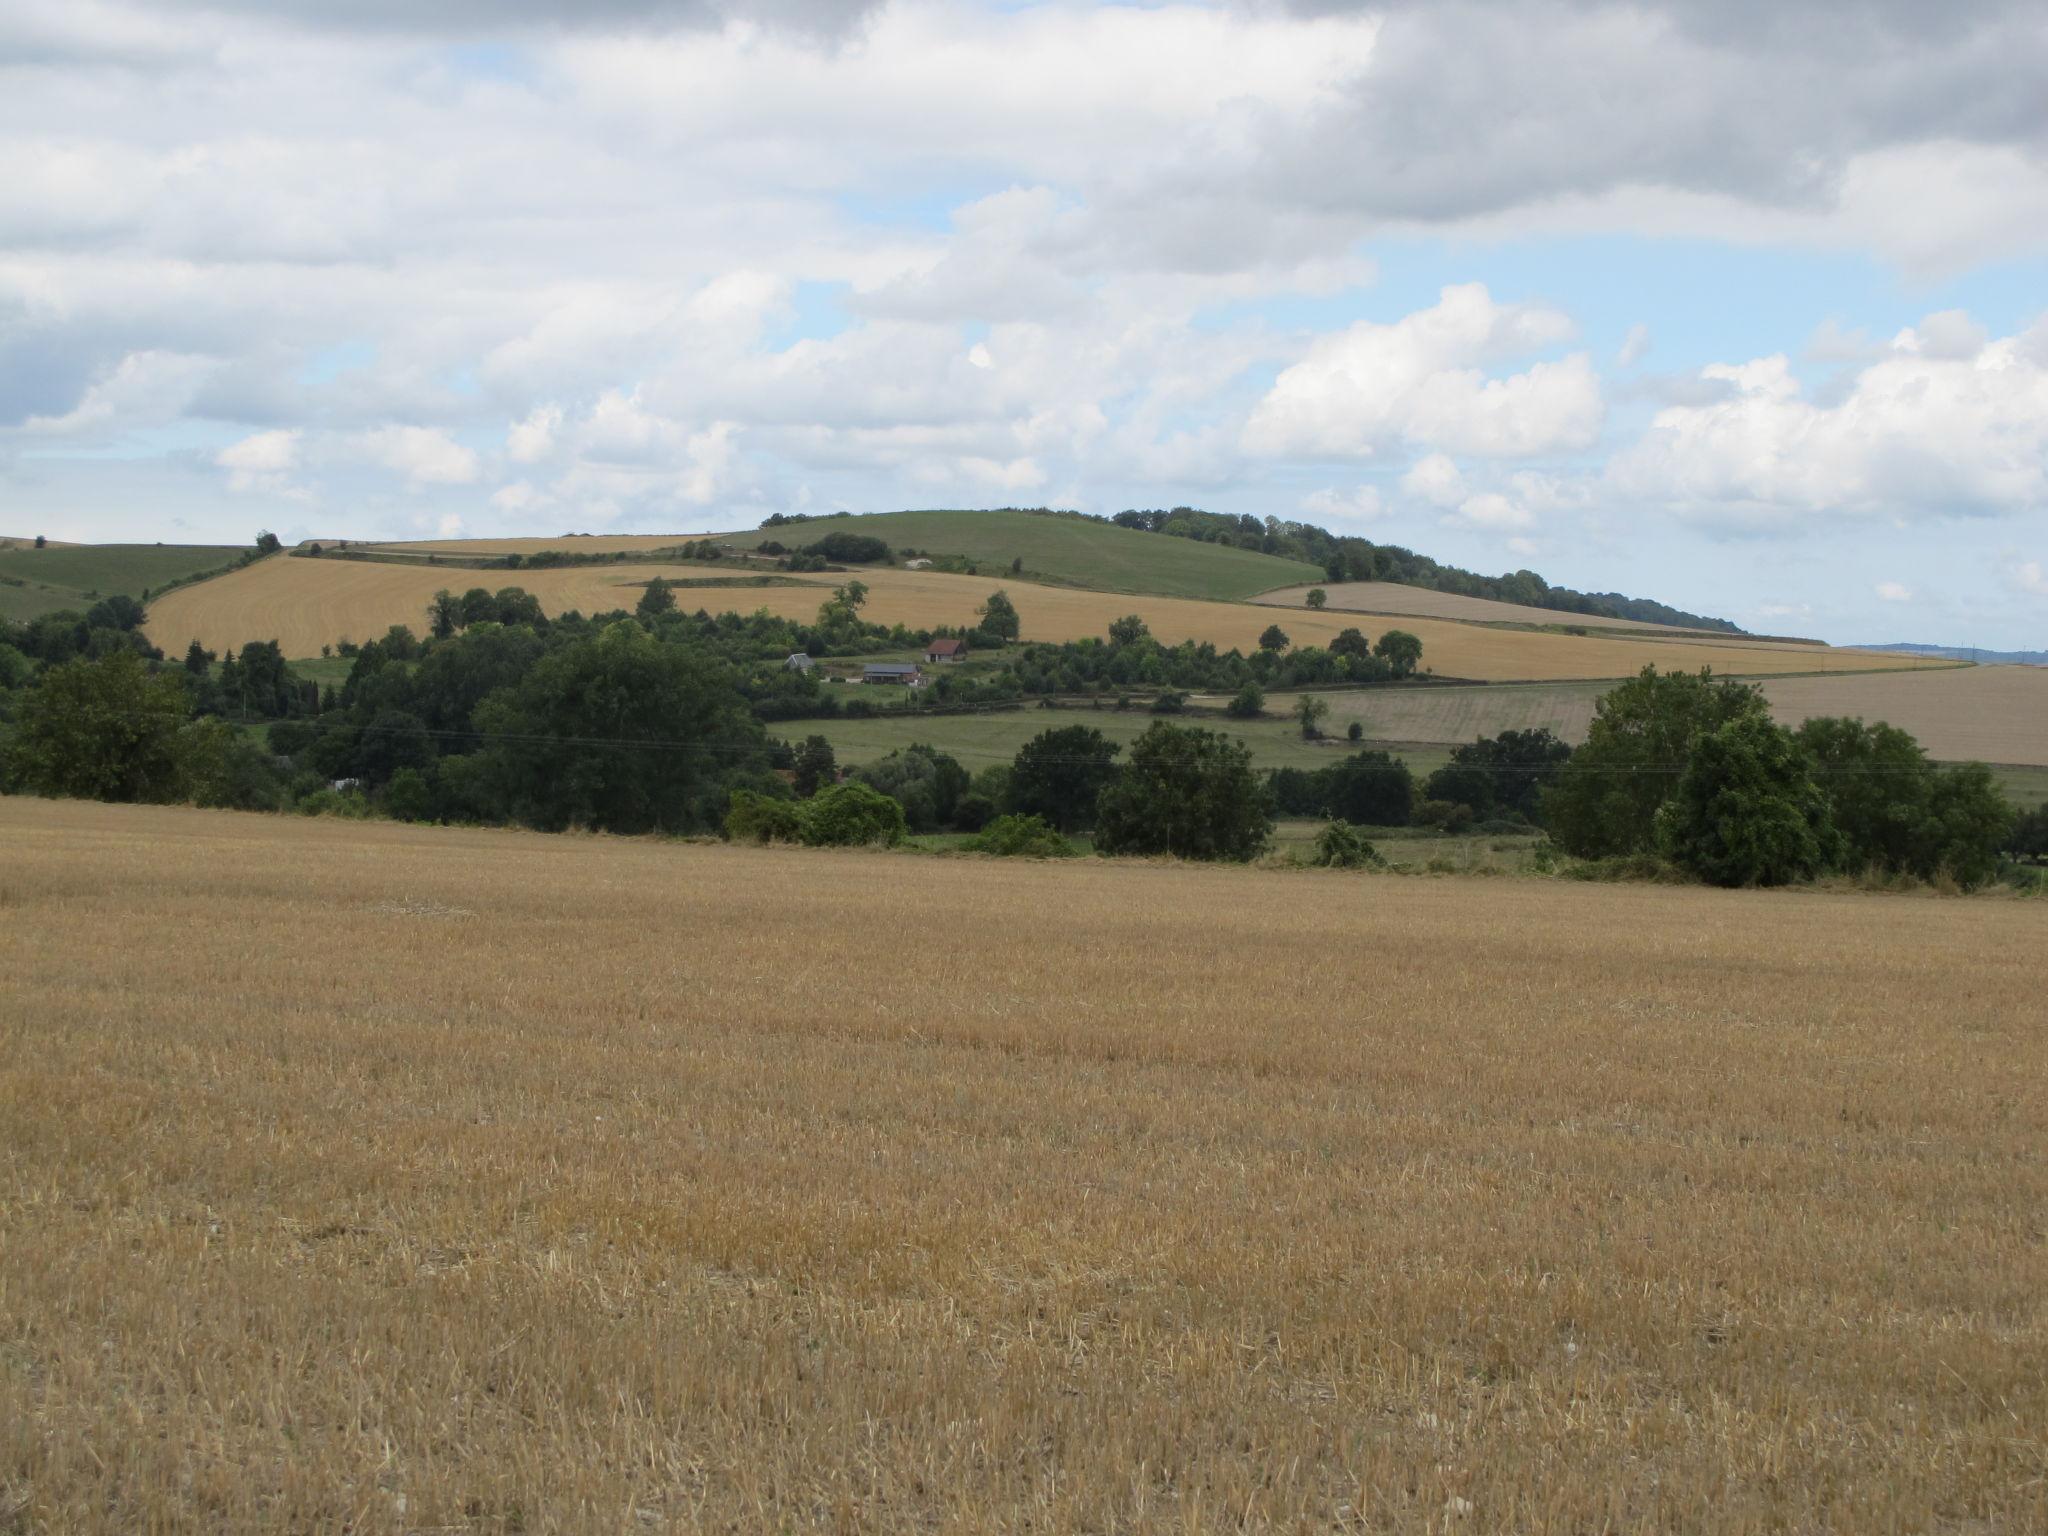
(1068, 551)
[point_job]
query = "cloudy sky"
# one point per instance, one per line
(1731, 303)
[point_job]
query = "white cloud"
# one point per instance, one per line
(1491, 510)
(262, 463)
(1944, 422)
(1423, 380)
(1436, 480)
(2026, 576)
(1634, 346)
(1893, 592)
(143, 389)
(1345, 508)
(424, 455)
(533, 439)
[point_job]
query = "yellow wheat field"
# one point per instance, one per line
(363, 1177)
(575, 544)
(306, 603)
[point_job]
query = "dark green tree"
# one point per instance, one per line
(1368, 789)
(1401, 651)
(658, 599)
(1747, 811)
(444, 614)
(849, 814)
(1605, 800)
(1350, 642)
(1274, 639)
(105, 729)
(1186, 792)
(998, 616)
(1060, 774)
(619, 733)
(1128, 630)
(1498, 774)
(1317, 597)
(815, 764)
(1248, 703)
(926, 782)
(268, 543)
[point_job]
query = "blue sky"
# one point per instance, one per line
(1740, 307)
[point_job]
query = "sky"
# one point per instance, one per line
(1738, 305)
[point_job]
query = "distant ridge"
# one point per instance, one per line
(1964, 653)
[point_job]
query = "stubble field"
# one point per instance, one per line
(355, 1176)
(305, 603)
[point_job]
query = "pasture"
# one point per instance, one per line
(305, 603)
(1064, 550)
(384, 1178)
(75, 576)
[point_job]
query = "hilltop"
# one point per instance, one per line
(1062, 549)
(34, 581)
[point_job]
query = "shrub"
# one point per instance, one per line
(1342, 846)
(1747, 811)
(758, 818)
(1247, 705)
(849, 548)
(850, 814)
(1022, 837)
(408, 797)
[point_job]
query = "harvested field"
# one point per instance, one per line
(1391, 597)
(304, 604)
(383, 1178)
(1991, 714)
(572, 544)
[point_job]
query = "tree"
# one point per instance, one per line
(1746, 811)
(1274, 639)
(408, 797)
(1128, 630)
(1605, 800)
(1497, 774)
(268, 543)
(1186, 792)
(1371, 789)
(1021, 837)
(1896, 811)
(1350, 642)
(849, 814)
(999, 616)
(1317, 597)
(104, 729)
(197, 659)
(619, 733)
(926, 782)
(1966, 823)
(1355, 731)
(815, 765)
(444, 614)
(1400, 650)
(658, 599)
(1248, 703)
(2029, 836)
(1310, 710)
(757, 818)
(1342, 846)
(41, 541)
(1060, 774)
(479, 606)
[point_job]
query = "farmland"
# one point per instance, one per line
(75, 576)
(1338, 1201)
(572, 544)
(305, 603)
(1065, 550)
(1393, 598)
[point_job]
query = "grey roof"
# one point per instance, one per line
(891, 668)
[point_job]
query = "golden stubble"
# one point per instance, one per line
(383, 1178)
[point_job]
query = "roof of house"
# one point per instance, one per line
(946, 648)
(890, 668)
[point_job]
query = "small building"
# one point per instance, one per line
(946, 650)
(902, 672)
(798, 662)
(919, 564)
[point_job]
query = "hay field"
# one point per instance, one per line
(1392, 597)
(1991, 714)
(307, 603)
(381, 1178)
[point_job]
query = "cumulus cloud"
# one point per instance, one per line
(2026, 576)
(1893, 592)
(1944, 422)
(262, 462)
(143, 389)
(424, 455)
(1423, 380)
(1361, 505)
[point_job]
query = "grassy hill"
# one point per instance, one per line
(1071, 551)
(38, 581)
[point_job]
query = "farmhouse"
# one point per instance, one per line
(904, 672)
(798, 662)
(946, 650)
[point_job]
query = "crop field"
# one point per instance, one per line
(384, 1178)
(1991, 714)
(1063, 549)
(38, 581)
(1393, 598)
(304, 604)
(574, 544)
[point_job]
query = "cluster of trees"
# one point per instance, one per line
(1694, 769)
(1349, 558)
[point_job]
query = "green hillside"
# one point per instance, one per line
(38, 581)
(1071, 551)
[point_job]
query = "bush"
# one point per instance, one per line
(409, 797)
(1247, 705)
(850, 814)
(1186, 792)
(974, 812)
(758, 818)
(1022, 837)
(849, 548)
(1342, 846)
(1444, 815)
(1746, 810)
